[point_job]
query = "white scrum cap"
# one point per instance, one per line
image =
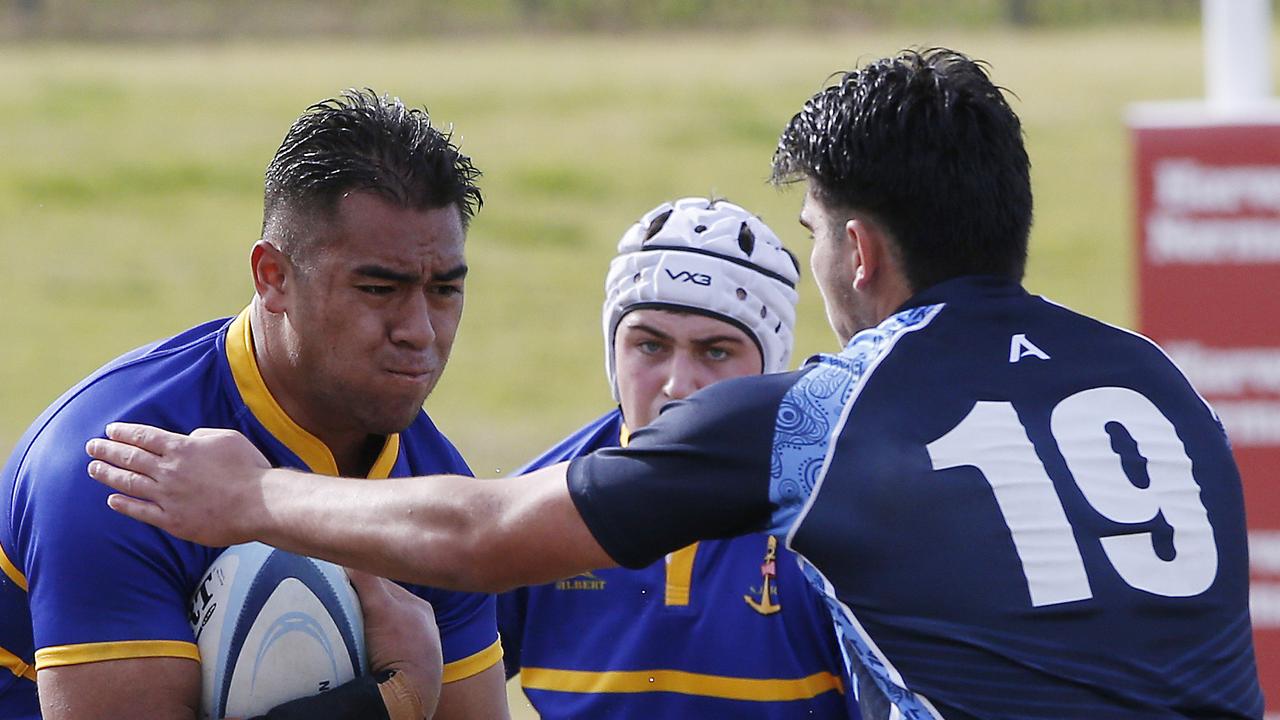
(709, 257)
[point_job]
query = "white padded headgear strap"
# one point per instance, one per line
(713, 258)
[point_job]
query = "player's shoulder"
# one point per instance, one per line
(605, 431)
(45, 479)
(974, 304)
(148, 366)
(1107, 343)
(978, 316)
(1013, 339)
(1100, 327)
(156, 383)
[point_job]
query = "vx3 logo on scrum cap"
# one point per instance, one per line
(686, 276)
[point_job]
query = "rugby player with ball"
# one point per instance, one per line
(358, 278)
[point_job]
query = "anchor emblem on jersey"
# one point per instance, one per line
(769, 574)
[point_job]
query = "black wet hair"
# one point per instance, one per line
(926, 145)
(364, 142)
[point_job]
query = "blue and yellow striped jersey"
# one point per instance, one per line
(81, 583)
(719, 629)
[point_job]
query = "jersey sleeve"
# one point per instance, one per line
(468, 630)
(101, 586)
(512, 610)
(699, 471)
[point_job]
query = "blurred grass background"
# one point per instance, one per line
(130, 182)
(134, 135)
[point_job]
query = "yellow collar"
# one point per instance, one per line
(253, 389)
(624, 435)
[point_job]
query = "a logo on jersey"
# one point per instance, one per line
(686, 276)
(1020, 347)
(585, 581)
(768, 583)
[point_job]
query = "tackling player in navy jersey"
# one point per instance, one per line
(359, 280)
(701, 291)
(1013, 510)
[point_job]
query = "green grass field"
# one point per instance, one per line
(130, 184)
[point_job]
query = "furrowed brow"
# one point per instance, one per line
(381, 272)
(457, 273)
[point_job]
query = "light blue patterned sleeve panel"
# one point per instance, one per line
(810, 413)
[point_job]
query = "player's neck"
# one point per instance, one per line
(893, 293)
(356, 459)
(354, 450)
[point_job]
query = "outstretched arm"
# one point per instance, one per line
(455, 532)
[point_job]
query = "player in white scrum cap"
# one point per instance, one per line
(701, 291)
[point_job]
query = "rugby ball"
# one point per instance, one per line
(272, 626)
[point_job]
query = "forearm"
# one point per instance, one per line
(445, 531)
(409, 529)
(213, 487)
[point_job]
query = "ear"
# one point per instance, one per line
(870, 252)
(272, 276)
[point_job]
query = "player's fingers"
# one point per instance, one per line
(149, 513)
(365, 584)
(372, 592)
(125, 481)
(373, 589)
(148, 437)
(123, 455)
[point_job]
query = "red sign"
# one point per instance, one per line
(1208, 228)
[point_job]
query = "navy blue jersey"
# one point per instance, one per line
(1012, 509)
(82, 583)
(717, 629)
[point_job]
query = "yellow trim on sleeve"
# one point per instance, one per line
(256, 396)
(15, 665)
(59, 655)
(12, 571)
(684, 683)
(473, 664)
(680, 575)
